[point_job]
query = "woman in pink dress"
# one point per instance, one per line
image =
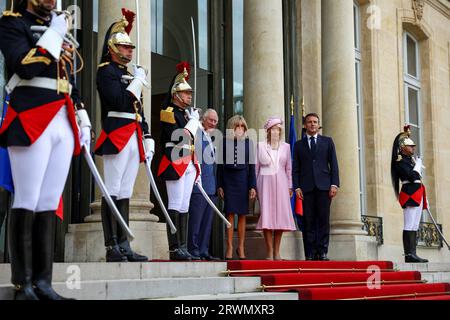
(274, 184)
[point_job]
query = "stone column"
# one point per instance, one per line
(85, 242)
(264, 95)
(348, 241)
(263, 61)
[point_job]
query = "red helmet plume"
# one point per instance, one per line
(130, 16)
(184, 65)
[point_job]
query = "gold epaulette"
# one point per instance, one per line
(104, 64)
(399, 158)
(9, 13)
(168, 116)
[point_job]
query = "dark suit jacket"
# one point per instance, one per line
(322, 173)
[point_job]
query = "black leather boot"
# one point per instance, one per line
(43, 255)
(109, 223)
(412, 256)
(20, 243)
(175, 239)
(184, 229)
(124, 208)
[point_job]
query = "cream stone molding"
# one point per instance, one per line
(442, 6)
(418, 6)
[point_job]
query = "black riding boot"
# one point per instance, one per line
(184, 228)
(109, 223)
(20, 243)
(43, 255)
(409, 245)
(124, 208)
(174, 239)
(412, 256)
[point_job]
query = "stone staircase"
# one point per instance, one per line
(432, 272)
(154, 280)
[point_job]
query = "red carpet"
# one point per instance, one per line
(334, 280)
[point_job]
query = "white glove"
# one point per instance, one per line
(419, 166)
(85, 137)
(140, 74)
(59, 24)
(193, 114)
(149, 148)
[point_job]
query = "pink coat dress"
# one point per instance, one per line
(274, 179)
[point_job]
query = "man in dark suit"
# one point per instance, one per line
(200, 212)
(316, 181)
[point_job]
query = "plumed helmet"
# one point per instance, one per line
(119, 34)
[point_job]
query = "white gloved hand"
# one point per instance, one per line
(59, 24)
(193, 114)
(418, 166)
(149, 148)
(85, 137)
(140, 74)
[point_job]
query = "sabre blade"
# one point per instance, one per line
(194, 44)
(437, 227)
(103, 189)
(208, 199)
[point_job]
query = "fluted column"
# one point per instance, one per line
(340, 121)
(263, 61)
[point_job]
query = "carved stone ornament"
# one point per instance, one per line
(417, 6)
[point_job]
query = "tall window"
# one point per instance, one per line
(359, 108)
(412, 87)
(238, 56)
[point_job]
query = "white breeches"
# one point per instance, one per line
(120, 170)
(412, 217)
(40, 171)
(179, 191)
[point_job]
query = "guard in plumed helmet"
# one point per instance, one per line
(45, 125)
(408, 170)
(124, 128)
(178, 167)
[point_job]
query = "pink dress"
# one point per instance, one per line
(273, 180)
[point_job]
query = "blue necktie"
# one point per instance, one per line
(313, 147)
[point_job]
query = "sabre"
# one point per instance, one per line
(106, 194)
(437, 227)
(169, 221)
(208, 199)
(194, 43)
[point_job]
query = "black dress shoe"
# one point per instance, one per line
(309, 258)
(323, 257)
(209, 258)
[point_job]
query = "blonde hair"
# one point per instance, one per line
(236, 121)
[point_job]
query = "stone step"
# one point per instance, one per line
(423, 267)
(240, 296)
(151, 288)
(127, 271)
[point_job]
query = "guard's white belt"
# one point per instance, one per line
(408, 182)
(36, 82)
(123, 115)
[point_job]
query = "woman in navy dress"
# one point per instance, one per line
(236, 179)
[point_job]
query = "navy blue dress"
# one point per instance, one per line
(236, 174)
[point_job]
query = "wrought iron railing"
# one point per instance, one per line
(374, 227)
(428, 236)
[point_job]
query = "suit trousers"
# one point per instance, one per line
(316, 214)
(201, 218)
